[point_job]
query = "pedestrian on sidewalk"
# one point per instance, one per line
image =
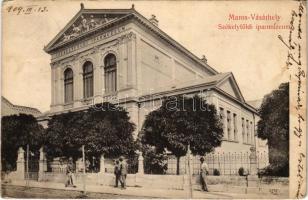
(123, 172)
(204, 171)
(117, 172)
(70, 173)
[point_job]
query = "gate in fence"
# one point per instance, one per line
(32, 166)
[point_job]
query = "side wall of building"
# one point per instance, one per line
(159, 64)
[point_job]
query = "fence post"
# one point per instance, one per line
(42, 164)
(253, 161)
(140, 164)
(20, 164)
(188, 174)
(102, 164)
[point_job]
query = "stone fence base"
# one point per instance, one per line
(175, 182)
(132, 180)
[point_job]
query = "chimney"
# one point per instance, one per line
(203, 59)
(153, 20)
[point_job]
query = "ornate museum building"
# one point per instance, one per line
(119, 54)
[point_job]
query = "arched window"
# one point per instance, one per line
(68, 85)
(110, 73)
(88, 79)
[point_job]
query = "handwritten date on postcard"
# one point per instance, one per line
(26, 10)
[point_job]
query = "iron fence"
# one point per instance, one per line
(132, 164)
(225, 163)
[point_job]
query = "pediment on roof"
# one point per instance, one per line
(229, 86)
(81, 24)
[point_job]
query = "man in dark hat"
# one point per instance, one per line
(204, 170)
(123, 172)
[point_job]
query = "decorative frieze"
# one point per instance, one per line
(85, 24)
(87, 42)
(127, 37)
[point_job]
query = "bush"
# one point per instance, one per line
(216, 172)
(275, 170)
(154, 162)
(241, 171)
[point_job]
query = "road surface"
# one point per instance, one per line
(26, 192)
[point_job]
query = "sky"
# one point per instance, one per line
(256, 58)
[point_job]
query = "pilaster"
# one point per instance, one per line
(42, 164)
(20, 171)
(140, 164)
(102, 164)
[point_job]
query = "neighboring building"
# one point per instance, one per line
(119, 54)
(7, 108)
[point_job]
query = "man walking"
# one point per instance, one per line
(123, 172)
(204, 170)
(117, 172)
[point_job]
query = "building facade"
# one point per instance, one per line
(119, 55)
(7, 109)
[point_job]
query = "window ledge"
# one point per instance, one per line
(87, 101)
(68, 105)
(234, 141)
(110, 94)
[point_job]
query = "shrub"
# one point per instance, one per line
(154, 162)
(275, 170)
(216, 172)
(241, 171)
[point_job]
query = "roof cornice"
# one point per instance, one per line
(130, 13)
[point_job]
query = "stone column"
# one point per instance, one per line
(140, 164)
(253, 161)
(102, 165)
(21, 163)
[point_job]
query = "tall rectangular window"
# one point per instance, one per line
(229, 125)
(87, 79)
(110, 73)
(235, 126)
(247, 132)
(68, 85)
(222, 119)
(243, 131)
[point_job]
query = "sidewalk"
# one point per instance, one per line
(142, 192)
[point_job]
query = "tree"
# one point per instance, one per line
(18, 131)
(183, 121)
(274, 126)
(155, 162)
(103, 129)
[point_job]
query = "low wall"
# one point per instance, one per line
(132, 180)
